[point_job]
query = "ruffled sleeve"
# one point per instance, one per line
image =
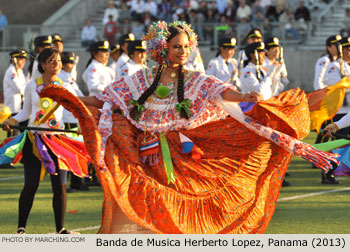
(118, 92)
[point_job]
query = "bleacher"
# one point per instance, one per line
(321, 26)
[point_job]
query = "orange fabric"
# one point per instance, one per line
(232, 189)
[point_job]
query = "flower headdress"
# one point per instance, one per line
(157, 35)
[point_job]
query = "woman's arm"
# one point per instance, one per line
(235, 96)
(91, 101)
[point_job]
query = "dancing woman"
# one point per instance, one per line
(173, 162)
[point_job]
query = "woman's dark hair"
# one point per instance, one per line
(93, 51)
(31, 63)
(174, 31)
(329, 53)
(246, 62)
(89, 61)
(44, 55)
(92, 56)
(218, 53)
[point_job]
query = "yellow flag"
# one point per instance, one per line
(5, 112)
(326, 102)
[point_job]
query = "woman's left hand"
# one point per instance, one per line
(253, 97)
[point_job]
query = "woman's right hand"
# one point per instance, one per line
(9, 122)
(331, 128)
(253, 97)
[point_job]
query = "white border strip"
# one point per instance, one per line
(87, 228)
(10, 178)
(313, 194)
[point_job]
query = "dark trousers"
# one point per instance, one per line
(32, 169)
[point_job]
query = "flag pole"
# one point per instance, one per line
(38, 128)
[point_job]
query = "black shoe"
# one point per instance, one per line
(287, 174)
(82, 188)
(285, 183)
(93, 182)
(70, 190)
(7, 166)
(329, 180)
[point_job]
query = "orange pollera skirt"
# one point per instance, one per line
(232, 189)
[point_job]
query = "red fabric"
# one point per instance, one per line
(110, 29)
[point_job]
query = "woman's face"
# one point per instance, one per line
(253, 40)
(68, 67)
(52, 65)
(179, 49)
(59, 46)
(333, 50)
(115, 56)
(20, 62)
(273, 52)
(226, 52)
(346, 54)
(139, 57)
(102, 57)
(261, 57)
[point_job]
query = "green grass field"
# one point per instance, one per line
(327, 213)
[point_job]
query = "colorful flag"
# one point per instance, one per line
(188, 147)
(344, 153)
(342, 148)
(10, 151)
(325, 103)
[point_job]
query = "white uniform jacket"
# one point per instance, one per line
(280, 80)
(130, 67)
(97, 76)
(320, 71)
(332, 76)
(121, 60)
(250, 82)
(225, 71)
(13, 88)
(70, 84)
(195, 61)
(113, 65)
(35, 71)
(344, 121)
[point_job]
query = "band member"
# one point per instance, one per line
(274, 53)
(137, 55)
(224, 66)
